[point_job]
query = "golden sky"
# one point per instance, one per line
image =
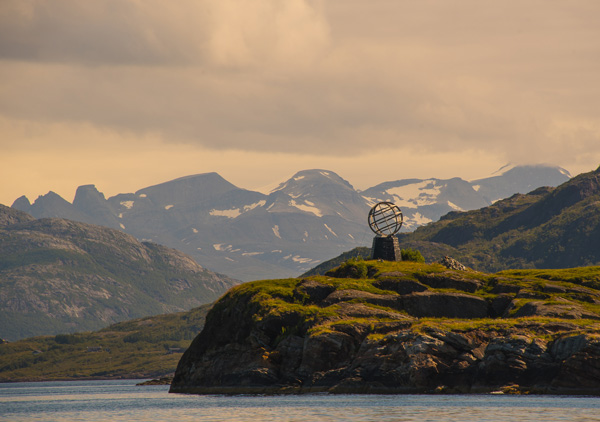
(125, 94)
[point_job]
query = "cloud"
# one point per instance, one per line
(342, 78)
(243, 33)
(142, 32)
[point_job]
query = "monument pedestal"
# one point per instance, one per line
(386, 248)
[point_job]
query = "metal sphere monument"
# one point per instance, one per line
(385, 220)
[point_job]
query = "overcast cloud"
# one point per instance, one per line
(202, 85)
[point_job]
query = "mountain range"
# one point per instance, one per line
(549, 227)
(63, 276)
(311, 217)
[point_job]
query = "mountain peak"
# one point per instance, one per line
(204, 185)
(306, 180)
(22, 203)
(86, 192)
(511, 168)
(505, 168)
(511, 179)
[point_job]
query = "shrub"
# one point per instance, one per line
(68, 339)
(350, 269)
(412, 255)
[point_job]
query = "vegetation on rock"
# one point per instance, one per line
(404, 327)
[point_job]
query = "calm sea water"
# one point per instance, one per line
(124, 401)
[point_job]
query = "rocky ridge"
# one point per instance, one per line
(405, 328)
(62, 276)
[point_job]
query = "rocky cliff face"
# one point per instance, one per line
(408, 328)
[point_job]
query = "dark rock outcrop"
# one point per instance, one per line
(371, 336)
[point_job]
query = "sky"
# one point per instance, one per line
(125, 94)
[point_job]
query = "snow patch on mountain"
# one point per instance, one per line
(415, 194)
(331, 231)
(268, 189)
(301, 260)
(419, 219)
(232, 213)
(222, 247)
(565, 172)
(236, 212)
(454, 206)
(275, 229)
(307, 208)
(371, 201)
(127, 204)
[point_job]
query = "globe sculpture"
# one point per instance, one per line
(385, 220)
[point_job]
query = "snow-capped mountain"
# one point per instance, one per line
(425, 200)
(512, 179)
(311, 217)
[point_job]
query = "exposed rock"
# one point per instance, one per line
(313, 290)
(450, 280)
(355, 340)
(445, 305)
(580, 371)
(505, 288)
(452, 264)
(501, 304)
(9, 216)
(553, 288)
(399, 285)
(157, 381)
(566, 310)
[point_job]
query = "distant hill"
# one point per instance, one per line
(62, 276)
(146, 347)
(546, 228)
(313, 216)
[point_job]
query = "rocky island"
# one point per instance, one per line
(402, 327)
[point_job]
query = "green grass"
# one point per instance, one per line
(584, 276)
(140, 348)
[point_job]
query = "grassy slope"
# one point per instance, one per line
(133, 349)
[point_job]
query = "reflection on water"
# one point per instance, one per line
(124, 401)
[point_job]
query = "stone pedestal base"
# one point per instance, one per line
(386, 248)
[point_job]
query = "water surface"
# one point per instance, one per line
(124, 401)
